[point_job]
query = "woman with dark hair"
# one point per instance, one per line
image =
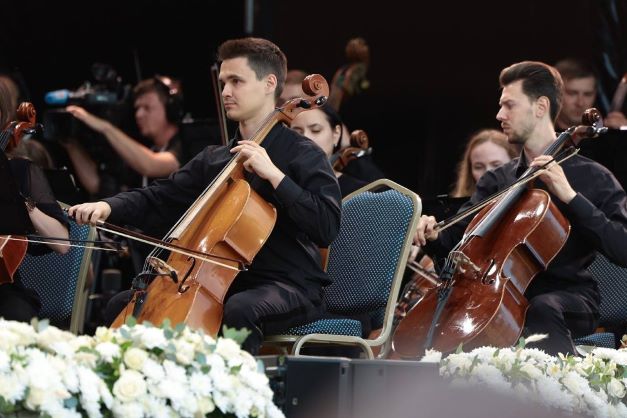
(324, 127)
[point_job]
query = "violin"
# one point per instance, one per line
(217, 237)
(350, 79)
(359, 146)
(480, 298)
(13, 248)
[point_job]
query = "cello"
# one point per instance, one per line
(13, 248)
(227, 224)
(480, 300)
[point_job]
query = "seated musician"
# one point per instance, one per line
(485, 150)
(283, 286)
(17, 302)
(324, 127)
(564, 299)
(580, 93)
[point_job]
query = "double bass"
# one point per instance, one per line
(13, 248)
(480, 300)
(217, 237)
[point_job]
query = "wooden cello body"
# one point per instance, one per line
(487, 305)
(230, 223)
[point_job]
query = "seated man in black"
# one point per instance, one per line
(283, 286)
(564, 299)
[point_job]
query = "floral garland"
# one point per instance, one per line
(594, 384)
(134, 371)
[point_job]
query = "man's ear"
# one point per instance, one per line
(271, 83)
(543, 106)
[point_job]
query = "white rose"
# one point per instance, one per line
(152, 338)
(227, 348)
(104, 334)
(35, 398)
(184, 352)
(135, 358)
(615, 388)
(108, 351)
(129, 386)
(205, 406)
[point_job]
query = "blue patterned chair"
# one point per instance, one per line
(612, 281)
(61, 280)
(366, 263)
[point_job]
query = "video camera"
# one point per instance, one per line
(106, 97)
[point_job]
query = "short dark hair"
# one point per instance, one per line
(570, 68)
(264, 57)
(334, 120)
(538, 79)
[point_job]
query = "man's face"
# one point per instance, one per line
(243, 94)
(150, 114)
(579, 95)
(516, 113)
(291, 91)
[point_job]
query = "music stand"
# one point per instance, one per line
(14, 219)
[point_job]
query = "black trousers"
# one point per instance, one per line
(264, 307)
(18, 303)
(563, 315)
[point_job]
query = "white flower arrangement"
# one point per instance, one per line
(134, 371)
(593, 385)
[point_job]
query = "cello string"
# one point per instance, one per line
(520, 182)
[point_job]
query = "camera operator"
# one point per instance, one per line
(158, 111)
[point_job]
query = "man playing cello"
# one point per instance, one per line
(283, 286)
(564, 299)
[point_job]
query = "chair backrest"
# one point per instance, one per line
(612, 281)
(369, 255)
(60, 280)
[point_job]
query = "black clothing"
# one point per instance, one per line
(598, 218)
(348, 184)
(364, 169)
(174, 146)
(16, 301)
(307, 202)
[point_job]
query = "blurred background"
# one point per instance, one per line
(433, 70)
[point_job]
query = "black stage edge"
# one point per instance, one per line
(337, 387)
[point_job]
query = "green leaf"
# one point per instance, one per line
(166, 324)
(131, 321)
(70, 403)
(460, 348)
(125, 334)
(496, 353)
(169, 334)
(180, 327)
(238, 335)
(521, 343)
(201, 358)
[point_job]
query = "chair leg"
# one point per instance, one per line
(301, 342)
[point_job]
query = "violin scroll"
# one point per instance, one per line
(591, 117)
